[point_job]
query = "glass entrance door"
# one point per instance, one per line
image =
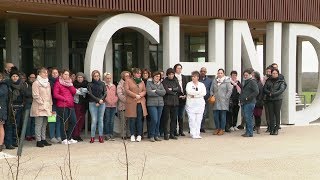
(125, 53)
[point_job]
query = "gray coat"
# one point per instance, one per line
(222, 94)
(155, 98)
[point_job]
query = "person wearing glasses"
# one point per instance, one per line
(195, 104)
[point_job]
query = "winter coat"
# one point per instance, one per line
(172, 96)
(63, 95)
(207, 83)
(27, 94)
(4, 94)
(81, 96)
(96, 91)
(42, 100)
(249, 92)
(52, 81)
(133, 89)
(155, 98)
(222, 94)
(112, 97)
(260, 96)
(121, 92)
(274, 88)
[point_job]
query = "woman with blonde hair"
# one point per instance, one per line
(111, 106)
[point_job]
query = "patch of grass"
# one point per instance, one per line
(308, 96)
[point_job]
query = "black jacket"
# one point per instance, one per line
(96, 91)
(172, 96)
(184, 92)
(260, 96)
(27, 94)
(274, 88)
(249, 92)
(4, 100)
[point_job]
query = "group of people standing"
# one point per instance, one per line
(60, 99)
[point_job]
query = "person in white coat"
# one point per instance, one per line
(195, 104)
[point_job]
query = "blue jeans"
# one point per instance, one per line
(54, 127)
(12, 126)
(248, 115)
(66, 115)
(136, 123)
(97, 113)
(220, 119)
(155, 116)
(30, 123)
(108, 122)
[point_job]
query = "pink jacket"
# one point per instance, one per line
(63, 95)
(112, 98)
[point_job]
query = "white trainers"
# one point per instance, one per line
(54, 140)
(72, 141)
(133, 139)
(65, 142)
(59, 139)
(138, 138)
(231, 129)
(235, 128)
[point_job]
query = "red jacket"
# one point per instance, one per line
(63, 95)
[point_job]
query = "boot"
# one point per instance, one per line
(258, 130)
(221, 132)
(216, 132)
(101, 139)
(92, 140)
(45, 143)
(275, 131)
(166, 137)
(40, 144)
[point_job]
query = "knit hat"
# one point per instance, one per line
(81, 74)
(14, 73)
(169, 71)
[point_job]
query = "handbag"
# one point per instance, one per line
(212, 100)
(52, 118)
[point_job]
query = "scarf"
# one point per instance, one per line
(67, 83)
(220, 80)
(83, 84)
(137, 80)
(44, 82)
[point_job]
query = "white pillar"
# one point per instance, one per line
(273, 43)
(216, 43)
(12, 42)
(171, 41)
(108, 58)
(299, 67)
(288, 69)
(62, 45)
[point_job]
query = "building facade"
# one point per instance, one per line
(160, 33)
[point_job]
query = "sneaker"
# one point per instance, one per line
(107, 138)
(59, 139)
(152, 139)
(157, 139)
(235, 128)
(198, 137)
(232, 129)
(133, 139)
(40, 144)
(138, 138)
(111, 138)
(65, 142)
(54, 140)
(72, 141)
(45, 143)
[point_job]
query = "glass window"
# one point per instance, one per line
(156, 56)
(196, 49)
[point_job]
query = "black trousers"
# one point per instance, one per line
(170, 115)
(232, 116)
(274, 108)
